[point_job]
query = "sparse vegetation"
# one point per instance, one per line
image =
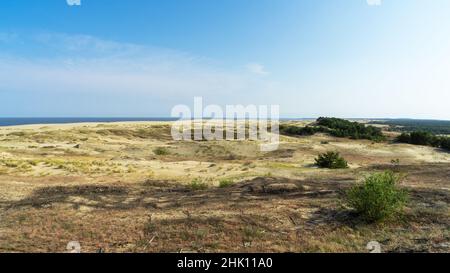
(161, 151)
(331, 160)
(378, 197)
(52, 193)
(251, 233)
(395, 162)
(198, 185)
(225, 183)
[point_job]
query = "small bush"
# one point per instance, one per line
(225, 183)
(161, 151)
(404, 138)
(331, 160)
(422, 138)
(378, 197)
(251, 233)
(150, 228)
(197, 185)
(395, 162)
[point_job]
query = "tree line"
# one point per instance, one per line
(336, 127)
(425, 139)
(438, 127)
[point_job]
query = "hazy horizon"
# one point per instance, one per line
(205, 117)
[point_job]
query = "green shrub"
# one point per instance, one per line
(161, 151)
(378, 197)
(331, 160)
(298, 131)
(404, 138)
(225, 183)
(197, 185)
(421, 138)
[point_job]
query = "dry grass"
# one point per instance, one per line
(103, 185)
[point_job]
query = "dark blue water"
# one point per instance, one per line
(27, 121)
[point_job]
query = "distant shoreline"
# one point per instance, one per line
(4, 122)
(46, 121)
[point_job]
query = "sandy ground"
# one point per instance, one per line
(128, 187)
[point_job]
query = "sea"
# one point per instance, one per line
(29, 121)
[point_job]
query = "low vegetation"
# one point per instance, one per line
(299, 131)
(65, 183)
(225, 183)
(161, 151)
(198, 185)
(378, 197)
(331, 160)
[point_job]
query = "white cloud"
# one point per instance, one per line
(374, 2)
(81, 63)
(256, 68)
(130, 79)
(73, 2)
(84, 44)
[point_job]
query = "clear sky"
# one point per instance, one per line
(344, 58)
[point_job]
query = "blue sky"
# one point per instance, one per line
(342, 58)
